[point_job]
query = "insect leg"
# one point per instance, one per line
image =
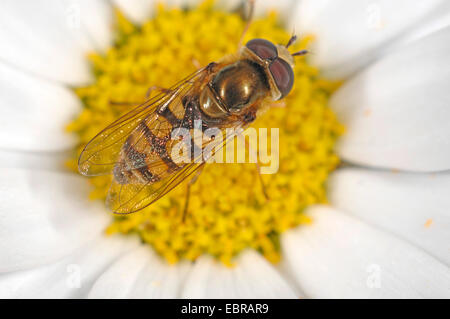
(188, 192)
(124, 103)
(263, 185)
(156, 88)
(251, 4)
(258, 170)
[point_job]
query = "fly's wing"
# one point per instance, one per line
(101, 154)
(109, 148)
(129, 198)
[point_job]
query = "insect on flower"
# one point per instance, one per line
(139, 148)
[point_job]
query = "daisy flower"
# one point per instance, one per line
(359, 207)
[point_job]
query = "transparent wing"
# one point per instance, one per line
(101, 154)
(129, 198)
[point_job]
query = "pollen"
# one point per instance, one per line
(227, 211)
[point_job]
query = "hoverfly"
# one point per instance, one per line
(137, 147)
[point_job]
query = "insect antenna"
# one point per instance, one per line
(291, 41)
(301, 52)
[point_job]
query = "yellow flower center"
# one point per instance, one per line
(228, 211)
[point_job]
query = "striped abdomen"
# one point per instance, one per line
(146, 156)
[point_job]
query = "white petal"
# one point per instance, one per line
(72, 277)
(140, 274)
(351, 33)
(396, 112)
(424, 29)
(137, 10)
(97, 18)
(53, 161)
(413, 206)
(44, 216)
(340, 257)
(284, 7)
(33, 112)
(45, 37)
(252, 277)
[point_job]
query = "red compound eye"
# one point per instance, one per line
(263, 48)
(283, 75)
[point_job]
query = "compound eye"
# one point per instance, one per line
(263, 48)
(283, 76)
